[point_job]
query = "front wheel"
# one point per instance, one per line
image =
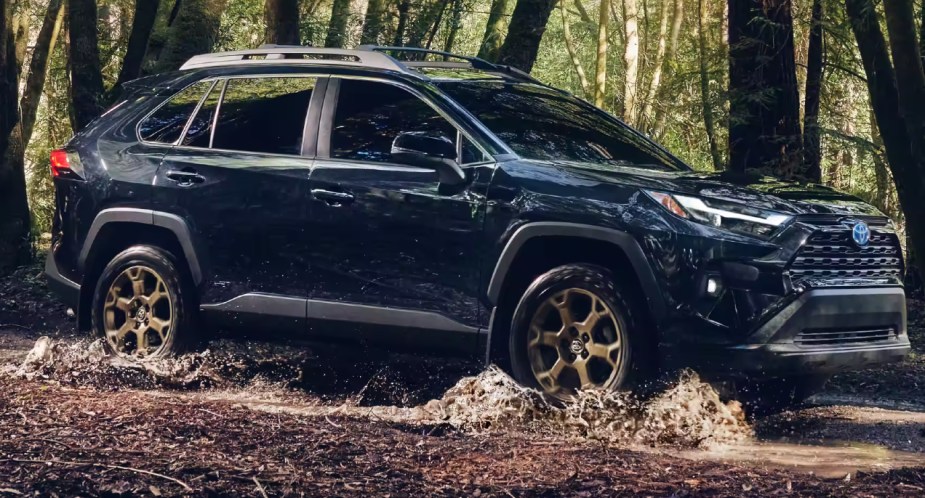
(573, 330)
(144, 306)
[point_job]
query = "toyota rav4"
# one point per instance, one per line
(432, 200)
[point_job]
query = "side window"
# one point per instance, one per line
(199, 132)
(370, 115)
(263, 115)
(166, 124)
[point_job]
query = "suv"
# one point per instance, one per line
(408, 196)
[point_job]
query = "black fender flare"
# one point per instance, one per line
(171, 222)
(626, 242)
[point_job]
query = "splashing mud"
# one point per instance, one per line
(85, 362)
(273, 378)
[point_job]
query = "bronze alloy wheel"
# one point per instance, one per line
(137, 312)
(574, 342)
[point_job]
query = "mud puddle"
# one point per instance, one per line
(688, 419)
(836, 459)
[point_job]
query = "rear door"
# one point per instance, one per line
(239, 176)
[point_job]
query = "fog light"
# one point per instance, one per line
(714, 286)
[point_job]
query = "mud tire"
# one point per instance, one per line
(592, 278)
(184, 329)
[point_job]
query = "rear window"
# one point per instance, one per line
(166, 124)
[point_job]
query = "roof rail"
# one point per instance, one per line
(293, 54)
(473, 62)
(369, 56)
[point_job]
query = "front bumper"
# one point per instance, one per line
(824, 331)
(66, 290)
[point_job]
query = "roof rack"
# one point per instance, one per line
(467, 61)
(293, 54)
(369, 56)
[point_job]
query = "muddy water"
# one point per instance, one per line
(688, 419)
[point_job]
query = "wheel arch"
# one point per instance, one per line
(539, 246)
(104, 240)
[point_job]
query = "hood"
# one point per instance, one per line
(754, 190)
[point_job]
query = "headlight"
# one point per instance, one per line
(733, 217)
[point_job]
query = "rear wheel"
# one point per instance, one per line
(572, 330)
(143, 306)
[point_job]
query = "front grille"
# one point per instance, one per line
(830, 253)
(828, 337)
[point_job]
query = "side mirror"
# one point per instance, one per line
(431, 151)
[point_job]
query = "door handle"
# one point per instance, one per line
(332, 197)
(185, 177)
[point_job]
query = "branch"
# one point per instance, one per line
(103, 465)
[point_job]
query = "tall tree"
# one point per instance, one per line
(282, 19)
(600, 71)
(630, 59)
(193, 32)
(708, 121)
(142, 26)
(337, 28)
(404, 10)
(812, 156)
(84, 58)
(524, 33)
(14, 223)
(455, 25)
(38, 66)
(764, 108)
(678, 20)
(426, 23)
(573, 54)
(907, 162)
(374, 22)
(645, 116)
(494, 30)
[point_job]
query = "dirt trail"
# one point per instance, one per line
(687, 421)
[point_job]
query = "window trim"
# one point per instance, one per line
(223, 80)
(165, 102)
(329, 110)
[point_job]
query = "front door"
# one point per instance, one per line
(394, 251)
(240, 176)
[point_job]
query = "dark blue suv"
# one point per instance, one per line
(431, 200)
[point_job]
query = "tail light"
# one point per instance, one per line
(65, 165)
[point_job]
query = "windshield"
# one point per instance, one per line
(542, 123)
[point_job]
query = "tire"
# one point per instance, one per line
(144, 306)
(767, 397)
(599, 352)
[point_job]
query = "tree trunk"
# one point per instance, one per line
(708, 121)
(600, 72)
(525, 32)
(494, 30)
(337, 28)
(455, 24)
(573, 55)
(812, 158)
(142, 25)
(193, 32)
(282, 18)
(374, 22)
(910, 78)
(661, 48)
(908, 170)
(630, 59)
(426, 22)
(38, 66)
(404, 9)
(21, 34)
(764, 107)
(14, 222)
(86, 72)
(659, 125)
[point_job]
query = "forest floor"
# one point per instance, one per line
(268, 419)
